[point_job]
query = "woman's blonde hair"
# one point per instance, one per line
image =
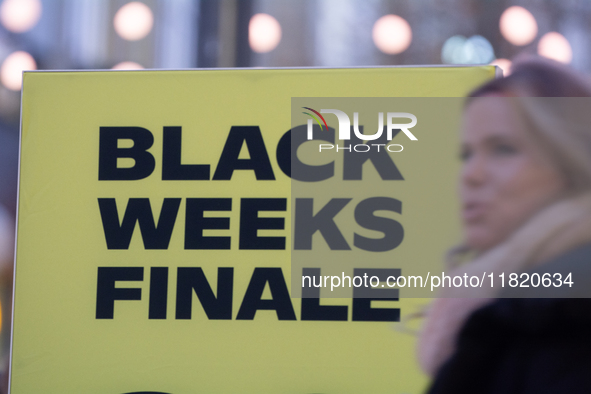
(554, 102)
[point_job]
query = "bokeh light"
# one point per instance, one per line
(555, 46)
(127, 66)
(518, 26)
(504, 64)
(451, 52)
(133, 21)
(19, 16)
(392, 34)
(264, 33)
(11, 73)
(462, 50)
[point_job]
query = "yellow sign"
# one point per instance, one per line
(153, 250)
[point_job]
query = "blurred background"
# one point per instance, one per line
(178, 34)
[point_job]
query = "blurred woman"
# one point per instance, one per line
(525, 189)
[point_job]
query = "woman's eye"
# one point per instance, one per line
(504, 150)
(465, 154)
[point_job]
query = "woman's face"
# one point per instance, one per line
(505, 178)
